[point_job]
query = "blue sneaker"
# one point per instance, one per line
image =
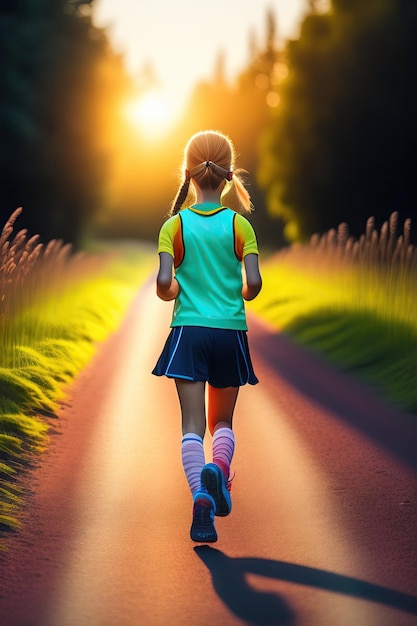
(212, 479)
(202, 528)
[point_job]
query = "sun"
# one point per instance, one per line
(150, 113)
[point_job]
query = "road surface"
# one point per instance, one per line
(323, 526)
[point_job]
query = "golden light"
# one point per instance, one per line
(150, 113)
(272, 99)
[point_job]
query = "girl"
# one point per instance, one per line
(206, 244)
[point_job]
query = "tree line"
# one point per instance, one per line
(60, 84)
(324, 123)
(341, 146)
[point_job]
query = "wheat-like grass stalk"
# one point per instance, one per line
(32, 275)
(383, 248)
(376, 272)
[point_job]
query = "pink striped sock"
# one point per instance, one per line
(223, 449)
(193, 459)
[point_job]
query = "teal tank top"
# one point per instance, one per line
(210, 272)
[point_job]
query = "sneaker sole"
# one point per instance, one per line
(213, 480)
(202, 528)
(203, 536)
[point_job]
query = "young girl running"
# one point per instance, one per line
(206, 244)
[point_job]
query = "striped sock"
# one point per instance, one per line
(193, 460)
(223, 449)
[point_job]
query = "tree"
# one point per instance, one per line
(340, 147)
(60, 86)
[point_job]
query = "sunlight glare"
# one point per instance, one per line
(150, 113)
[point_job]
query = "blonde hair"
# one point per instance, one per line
(209, 158)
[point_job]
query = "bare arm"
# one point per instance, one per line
(253, 283)
(166, 285)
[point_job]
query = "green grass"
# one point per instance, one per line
(379, 351)
(355, 305)
(48, 336)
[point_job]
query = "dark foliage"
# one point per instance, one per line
(56, 101)
(341, 147)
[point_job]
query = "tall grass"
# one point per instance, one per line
(354, 300)
(54, 307)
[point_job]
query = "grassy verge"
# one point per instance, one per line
(50, 325)
(353, 301)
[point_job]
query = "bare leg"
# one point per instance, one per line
(192, 400)
(221, 405)
(215, 476)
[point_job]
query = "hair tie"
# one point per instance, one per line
(229, 175)
(187, 174)
(209, 163)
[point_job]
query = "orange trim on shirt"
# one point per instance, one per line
(178, 244)
(239, 242)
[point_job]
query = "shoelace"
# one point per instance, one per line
(229, 482)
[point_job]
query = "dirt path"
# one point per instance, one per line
(322, 531)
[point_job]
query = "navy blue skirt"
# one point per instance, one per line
(216, 355)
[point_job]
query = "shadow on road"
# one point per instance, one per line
(253, 606)
(259, 608)
(338, 392)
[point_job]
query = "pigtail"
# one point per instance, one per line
(180, 197)
(235, 195)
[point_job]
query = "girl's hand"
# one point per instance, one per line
(169, 293)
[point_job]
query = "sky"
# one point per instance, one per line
(183, 38)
